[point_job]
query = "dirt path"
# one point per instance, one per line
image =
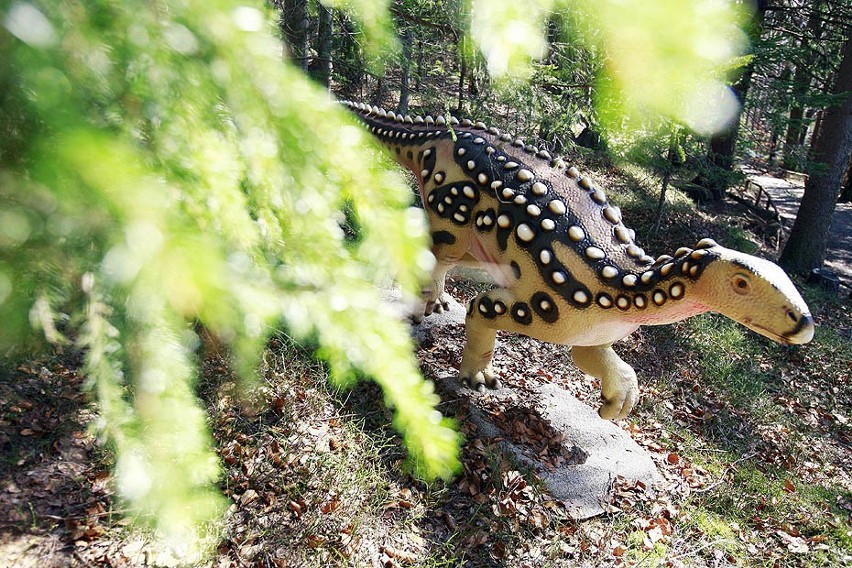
(787, 194)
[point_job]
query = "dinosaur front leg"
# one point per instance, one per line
(486, 313)
(619, 387)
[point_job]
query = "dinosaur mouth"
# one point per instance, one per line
(802, 333)
(770, 334)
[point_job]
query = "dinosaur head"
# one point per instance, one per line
(756, 293)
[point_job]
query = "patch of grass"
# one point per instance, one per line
(729, 361)
(754, 505)
(740, 240)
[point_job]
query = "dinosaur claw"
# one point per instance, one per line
(436, 305)
(617, 408)
(481, 380)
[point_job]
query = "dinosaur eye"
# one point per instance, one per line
(741, 284)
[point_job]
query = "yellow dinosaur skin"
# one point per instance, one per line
(568, 270)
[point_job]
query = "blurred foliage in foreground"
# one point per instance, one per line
(667, 58)
(159, 164)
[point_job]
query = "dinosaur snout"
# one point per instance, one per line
(803, 330)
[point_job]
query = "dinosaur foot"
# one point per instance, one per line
(437, 305)
(619, 406)
(481, 379)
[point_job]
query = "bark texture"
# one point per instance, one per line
(805, 249)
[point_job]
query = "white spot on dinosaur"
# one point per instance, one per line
(576, 233)
(609, 272)
(595, 253)
(525, 232)
(556, 207)
(524, 175)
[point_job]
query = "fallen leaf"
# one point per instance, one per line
(400, 555)
(248, 497)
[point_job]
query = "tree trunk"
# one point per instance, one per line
(801, 83)
(379, 94)
(324, 37)
(347, 59)
(846, 192)
(724, 144)
(293, 24)
(405, 78)
(671, 157)
(809, 116)
(420, 75)
(832, 148)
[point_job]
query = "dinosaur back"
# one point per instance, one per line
(576, 238)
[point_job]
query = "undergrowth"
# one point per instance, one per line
(752, 438)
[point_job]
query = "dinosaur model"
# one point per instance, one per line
(567, 268)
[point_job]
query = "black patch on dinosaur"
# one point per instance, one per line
(544, 307)
(566, 289)
(486, 308)
(482, 215)
(499, 307)
(450, 202)
(478, 154)
(503, 234)
(687, 263)
(516, 270)
(443, 238)
(470, 306)
(521, 313)
(427, 163)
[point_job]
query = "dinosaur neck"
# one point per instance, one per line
(671, 312)
(668, 291)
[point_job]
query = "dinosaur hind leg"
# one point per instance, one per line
(619, 387)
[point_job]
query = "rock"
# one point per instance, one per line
(598, 450)
(585, 488)
(593, 451)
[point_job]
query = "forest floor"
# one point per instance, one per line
(753, 439)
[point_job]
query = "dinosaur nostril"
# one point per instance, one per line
(792, 315)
